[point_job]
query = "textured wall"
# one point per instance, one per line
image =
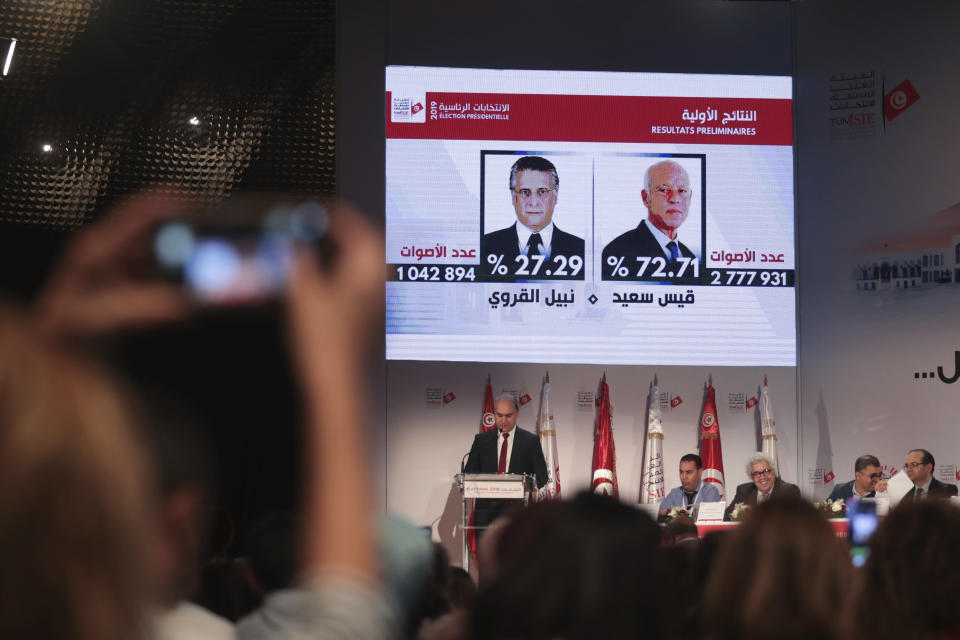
(211, 96)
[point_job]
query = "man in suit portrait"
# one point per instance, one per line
(919, 467)
(506, 449)
(765, 484)
(666, 194)
(534, 187)
(867, 481)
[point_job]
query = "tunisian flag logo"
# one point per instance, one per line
(710, 450)
(899, 99)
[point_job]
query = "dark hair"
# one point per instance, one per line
(534, 163)
(694, 458)
(681, 527)
(911, 578)
(461, 589)
(865, 461)
(595, 566)
(781, 574)
(271, 551)
(927, 456)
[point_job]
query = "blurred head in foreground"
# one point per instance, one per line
(782, 574)
(590, 567)
(73, 497)
(912, 578)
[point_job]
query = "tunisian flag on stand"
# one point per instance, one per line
(768, 425)
(604, 457)
(651, 489)
(487, 422)
(710, 449)
(547, 431)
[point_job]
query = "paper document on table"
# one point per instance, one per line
(710, 512)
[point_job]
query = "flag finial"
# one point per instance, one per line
(548, 377)
(655, 380)
(764, 379)
(710, 380)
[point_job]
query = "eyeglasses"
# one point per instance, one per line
(763, 472)
(526, 194)
(875, 476)
(912, 465)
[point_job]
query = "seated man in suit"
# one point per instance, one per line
(692, 490)
(868, 480)
(534, 185)
(765, 484)
(666, 194)
(506, 449)
(919, 466)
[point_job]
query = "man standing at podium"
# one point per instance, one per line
(506, 449)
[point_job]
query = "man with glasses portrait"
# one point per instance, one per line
(534, 187)
(919, 467)
(868, 481)
(666, 194)
(765, 484)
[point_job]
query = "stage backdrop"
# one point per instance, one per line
(434, 412)
(879, 235)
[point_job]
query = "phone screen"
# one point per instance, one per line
(863, 522)
(226, 263)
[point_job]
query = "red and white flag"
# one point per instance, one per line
(604, 456)
(710, 449)
(652, 488)
(547, 431)
(487, 422)
(768, 426)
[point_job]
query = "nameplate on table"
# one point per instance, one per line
(710, 512)
(508, 488)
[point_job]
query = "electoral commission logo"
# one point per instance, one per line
(923, 375)
(405, 109)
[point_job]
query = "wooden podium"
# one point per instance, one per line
(493, 486)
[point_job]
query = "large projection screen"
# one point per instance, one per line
(704, 160)
(431, 396)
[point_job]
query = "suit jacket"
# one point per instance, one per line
(506, 242)
(526, 457)
(937, 489)
(638, 242)
(747, 494)
(845, 491)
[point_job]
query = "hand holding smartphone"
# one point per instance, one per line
(240, 253)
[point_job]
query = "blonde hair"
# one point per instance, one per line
(73, 496)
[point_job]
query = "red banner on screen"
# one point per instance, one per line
(510, 116)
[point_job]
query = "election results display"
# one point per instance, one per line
(589, 217)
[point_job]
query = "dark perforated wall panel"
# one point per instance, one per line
(105, 97)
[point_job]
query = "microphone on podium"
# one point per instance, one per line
(463, 461)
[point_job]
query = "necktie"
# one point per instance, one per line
(674, 251)
(919, 492)
(533, 244)
(502, 467)
(690, 496)
(764, 497)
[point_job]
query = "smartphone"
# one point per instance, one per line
(862, 515)
(239, 253)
